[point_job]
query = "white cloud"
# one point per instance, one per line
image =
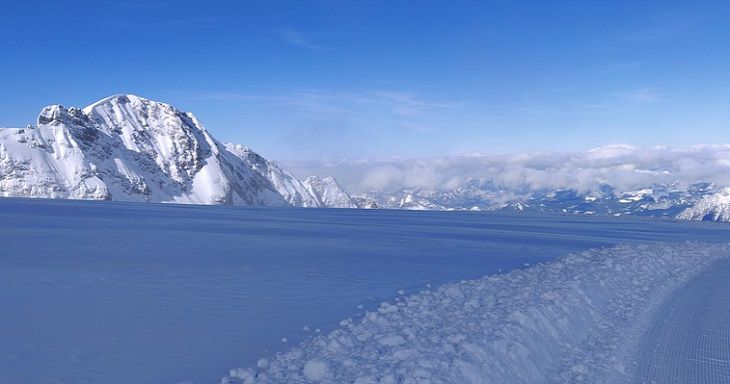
(299, 39)
(617, 67)
(403, 109)
(622, 166)
(644, 95)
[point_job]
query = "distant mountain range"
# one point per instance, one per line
(714, 207)
(701, 201)
(128, 148)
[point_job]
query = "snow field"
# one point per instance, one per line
(576, 319)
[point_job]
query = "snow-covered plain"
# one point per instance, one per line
(106, 292)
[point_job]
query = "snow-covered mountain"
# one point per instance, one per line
(715, 207)
(128, 148)
(407, 199)
(657, 200)
(328, 193)
(288, 186)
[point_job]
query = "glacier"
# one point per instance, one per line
(119, 292)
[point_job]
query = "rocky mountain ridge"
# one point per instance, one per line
(129, 148)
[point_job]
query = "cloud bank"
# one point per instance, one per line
(623, 166)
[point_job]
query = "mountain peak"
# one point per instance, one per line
(51, 113)
(59, 114)
(122, 98)
(329, 192)
(130, 102)
(126, 147)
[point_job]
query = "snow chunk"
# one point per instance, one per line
(315, 370)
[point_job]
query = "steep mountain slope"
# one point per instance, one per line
(711, 208)
(129, 148)
(289, 187)
(328, 192)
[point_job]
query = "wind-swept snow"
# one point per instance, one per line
(575, 319)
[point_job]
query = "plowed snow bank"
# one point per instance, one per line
(574, 319)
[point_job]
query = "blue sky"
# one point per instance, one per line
(316, 79)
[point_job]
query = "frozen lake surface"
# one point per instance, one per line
(99, 292)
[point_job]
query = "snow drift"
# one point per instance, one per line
(575, 319)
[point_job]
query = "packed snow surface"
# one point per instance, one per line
(571, 320)
(111, 292)
(689, 341)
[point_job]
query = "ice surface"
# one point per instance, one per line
(107, 292)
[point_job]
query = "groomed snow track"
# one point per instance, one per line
(586, 317)
(689, 341)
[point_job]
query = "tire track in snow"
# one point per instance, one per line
(690, 340)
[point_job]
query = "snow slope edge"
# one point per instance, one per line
(568, 320)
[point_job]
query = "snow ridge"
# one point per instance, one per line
(288, 186)
(129, 148)
(574, 319)
(328, 192)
